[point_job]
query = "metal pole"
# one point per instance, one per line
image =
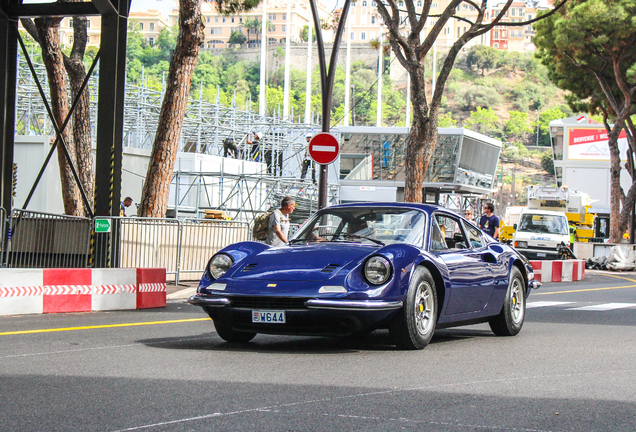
(261, 97)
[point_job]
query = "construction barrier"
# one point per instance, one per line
(559, 271)
(36, 291)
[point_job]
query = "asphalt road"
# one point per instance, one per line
(570, 369)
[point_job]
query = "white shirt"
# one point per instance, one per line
(277, 218)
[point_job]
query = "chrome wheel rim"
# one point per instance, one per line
(424, 308)
(516, 301)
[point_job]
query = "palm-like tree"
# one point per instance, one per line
(253, 24)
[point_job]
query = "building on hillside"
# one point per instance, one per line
(149, 24)
(93, 29)
(218, 28)
(513, 38)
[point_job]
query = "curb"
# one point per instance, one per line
(38, 291)
(559, 271)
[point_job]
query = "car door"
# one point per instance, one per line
(468, 262)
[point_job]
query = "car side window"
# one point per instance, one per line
(452, 231)
(474, 236)
(437, 237)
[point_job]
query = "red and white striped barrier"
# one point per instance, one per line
(559, 271)
(32, 291)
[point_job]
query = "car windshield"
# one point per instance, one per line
(374, 225)
(543, 224)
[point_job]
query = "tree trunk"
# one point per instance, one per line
(49, 40)
(81, 115)
(155, 193)
(616, 231)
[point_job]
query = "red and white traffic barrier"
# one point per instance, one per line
(32, 291)
(559, 271)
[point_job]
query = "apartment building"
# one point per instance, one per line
(218, 27)
(517, 38)
(93, 30)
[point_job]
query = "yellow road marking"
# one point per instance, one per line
(101, 326)
(593, 289)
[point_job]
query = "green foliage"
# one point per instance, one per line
(446, 120)
(517, 126)
(482, 120)
(237, 38)
(478, 96)
(547, 162)
(483, 57)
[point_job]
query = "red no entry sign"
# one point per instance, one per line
(324, 148)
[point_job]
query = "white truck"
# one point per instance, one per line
(539, 233)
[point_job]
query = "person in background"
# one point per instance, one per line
(279, 222)
(307, 162)
(489, 222)
(122, 206)
(229, 148)
(255, 152)
(574, 236)
(468, 215)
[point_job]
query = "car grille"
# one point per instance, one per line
(250, 302)
(542, 248)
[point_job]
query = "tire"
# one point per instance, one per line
(227, 334)
(414, 325)
(510, 319)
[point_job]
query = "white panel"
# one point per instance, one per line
(593, 181)
(121, 301)
(116, 276)
(21, 277)
(21, 305)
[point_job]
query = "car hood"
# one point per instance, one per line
(314, 262)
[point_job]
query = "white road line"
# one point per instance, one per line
(604, 307)
(545, 304)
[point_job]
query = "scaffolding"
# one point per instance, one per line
(206, 125)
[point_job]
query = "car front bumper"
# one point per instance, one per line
(326, 317)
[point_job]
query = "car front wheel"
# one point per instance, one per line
(227, 334)
(510, 319)
(414, 325)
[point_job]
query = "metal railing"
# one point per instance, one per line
(201, 238)
(183, 248)
(44, 240)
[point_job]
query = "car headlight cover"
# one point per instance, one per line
(521, 244)
(377, 270)
(220, 264)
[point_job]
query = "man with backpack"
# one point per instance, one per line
(279, 222)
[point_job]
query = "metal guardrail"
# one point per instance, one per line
(44, 240)
(183, 248)
(202, 238)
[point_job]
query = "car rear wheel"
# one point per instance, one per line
(414, 325)
(510, 319)
(227, 334)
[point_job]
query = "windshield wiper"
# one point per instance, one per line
(303, 240)
(355, 236)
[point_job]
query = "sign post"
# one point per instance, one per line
(102, 225)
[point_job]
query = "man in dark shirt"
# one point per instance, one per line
(489, 222)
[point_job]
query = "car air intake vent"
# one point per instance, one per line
(268, 302)
(330, 268)
(249, 267)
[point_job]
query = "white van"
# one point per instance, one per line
(539, 233)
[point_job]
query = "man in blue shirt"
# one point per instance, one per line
(489, 222)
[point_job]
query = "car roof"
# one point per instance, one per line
(543, 212)
(418, 206)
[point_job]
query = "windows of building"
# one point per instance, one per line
(352, 35)
(495, 45)
(240, 19)
(283, 28)
(88, 23)
(372, 19)
(364, 4)
(151, 41)
(363, 36)
(141, 26)
(273, 28)
(223, 19)
(232, 20)
(216, 19)
(207, 20)
(373, 3)
(284, 17)
(152, 26)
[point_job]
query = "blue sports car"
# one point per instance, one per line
(354, 268)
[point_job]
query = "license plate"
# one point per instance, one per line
(268, 316)
(541, 254)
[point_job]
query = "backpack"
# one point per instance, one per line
(260, 230)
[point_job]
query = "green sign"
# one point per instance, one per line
(102, 225)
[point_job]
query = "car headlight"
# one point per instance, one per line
(521, 244)
(377, 270)
(219, 264)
